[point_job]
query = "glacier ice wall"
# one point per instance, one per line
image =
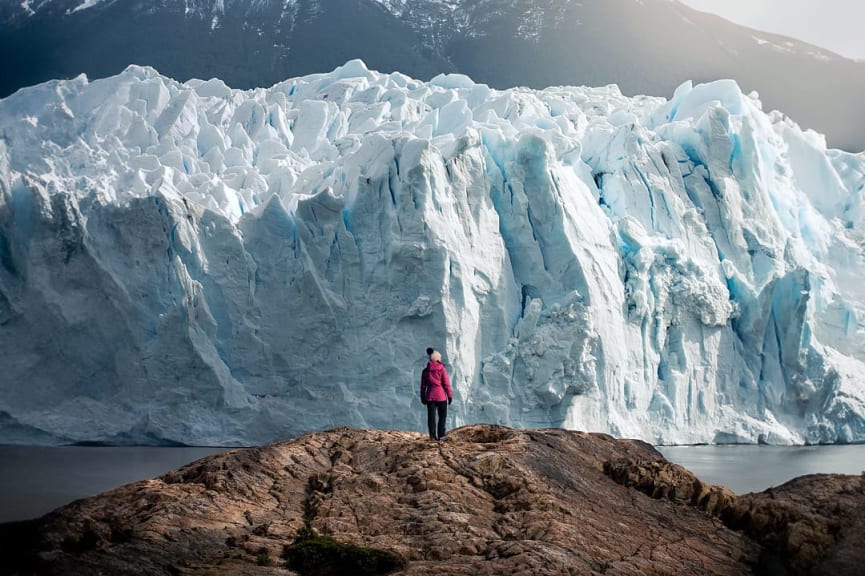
(191, 263)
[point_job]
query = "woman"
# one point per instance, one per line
(435, 392)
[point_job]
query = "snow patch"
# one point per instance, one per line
(85, 5)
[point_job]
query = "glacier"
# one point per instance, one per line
(189, 263)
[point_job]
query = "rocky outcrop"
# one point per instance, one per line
(811, 525)
(489, 500)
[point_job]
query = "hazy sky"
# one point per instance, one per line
(833, 24)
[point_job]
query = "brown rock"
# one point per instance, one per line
(490, 500)
(811, 525)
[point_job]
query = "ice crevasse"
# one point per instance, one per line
(188, 263)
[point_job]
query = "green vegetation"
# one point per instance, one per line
(263, 558)
(314, 555)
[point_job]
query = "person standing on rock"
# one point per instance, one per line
(436, 393)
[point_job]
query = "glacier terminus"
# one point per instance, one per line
(189, 263)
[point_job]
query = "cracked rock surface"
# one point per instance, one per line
(490, 500)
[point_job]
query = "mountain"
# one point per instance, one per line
(490, 501)
(643, 46)
(188, 263)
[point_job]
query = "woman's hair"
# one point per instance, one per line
(436, 356)
(429, 351)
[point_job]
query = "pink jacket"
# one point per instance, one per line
(435, 386)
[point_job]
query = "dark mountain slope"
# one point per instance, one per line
(644, 46)
(247, 44)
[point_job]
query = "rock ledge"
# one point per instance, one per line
(490, 500)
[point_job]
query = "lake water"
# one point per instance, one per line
(755, 468)
(36, 480)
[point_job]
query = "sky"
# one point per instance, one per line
(833, 24)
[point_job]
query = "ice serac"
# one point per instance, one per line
(191, 263)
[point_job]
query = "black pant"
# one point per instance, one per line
(433, 408)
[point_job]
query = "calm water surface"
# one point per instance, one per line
(36, 480)
(756, 468)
